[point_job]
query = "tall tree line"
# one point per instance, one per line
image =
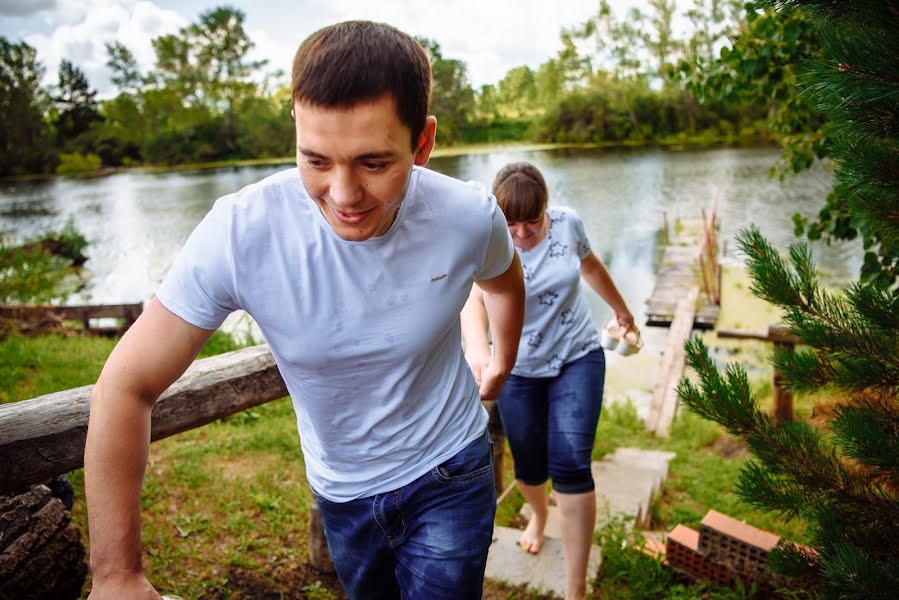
(616, 78)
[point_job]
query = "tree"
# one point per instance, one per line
(840, 478)
(452, 99)
(206, 64)
(24, 135)
(517, 92)
(75, 103)
(125, 74)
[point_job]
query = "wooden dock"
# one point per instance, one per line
(687, 296)
(686, 264)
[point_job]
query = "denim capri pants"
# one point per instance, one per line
(550, 423)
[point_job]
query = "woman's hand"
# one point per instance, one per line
(625, 320)
(492, 378)
(477, 361)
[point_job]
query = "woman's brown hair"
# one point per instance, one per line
(521, 192)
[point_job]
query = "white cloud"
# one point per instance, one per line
(84, 27)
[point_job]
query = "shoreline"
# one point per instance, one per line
(451, 151)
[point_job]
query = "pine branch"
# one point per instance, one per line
(850, 573)
(868, 432)
(804, 472)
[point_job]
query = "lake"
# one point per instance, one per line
(136, 223)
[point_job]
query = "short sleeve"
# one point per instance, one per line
(500, 251)
(580, 236)
(199, 287)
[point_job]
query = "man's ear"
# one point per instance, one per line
(426, 141)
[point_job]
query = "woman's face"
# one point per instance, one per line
(527, 234)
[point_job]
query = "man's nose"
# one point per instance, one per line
(344, 189)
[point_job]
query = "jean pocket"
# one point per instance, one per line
(473, 461)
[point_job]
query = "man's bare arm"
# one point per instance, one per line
(504, 301)
(151, 355)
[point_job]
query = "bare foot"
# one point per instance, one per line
(531, 539)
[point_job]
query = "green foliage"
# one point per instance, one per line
(760, 71)
(452, 99)
(30, 274)
(25, 139)
(78, 164)
(839, 481)
(75, 105)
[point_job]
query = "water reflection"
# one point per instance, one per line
(137, 222)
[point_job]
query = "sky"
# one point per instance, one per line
(489, 36)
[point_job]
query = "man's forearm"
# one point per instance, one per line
(115, 458)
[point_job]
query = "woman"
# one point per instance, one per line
(550, 404)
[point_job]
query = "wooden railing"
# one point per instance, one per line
(44, 436)
(780, 336)
(43, 317)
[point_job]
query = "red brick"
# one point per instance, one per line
(681, 553)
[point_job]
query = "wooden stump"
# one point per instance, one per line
(319, 557)
(41, 555)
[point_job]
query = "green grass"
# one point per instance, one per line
(42, 365)
(233, 494)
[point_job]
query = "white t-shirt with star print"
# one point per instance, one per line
(557, 324)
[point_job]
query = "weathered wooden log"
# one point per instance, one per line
(25, 317)
(41, 555)
(319, 557)
(44, 436)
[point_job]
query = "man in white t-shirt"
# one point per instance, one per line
(356, 272)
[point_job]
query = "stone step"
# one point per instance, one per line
(544, 572)
(626, 482)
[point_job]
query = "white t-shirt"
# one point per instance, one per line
(366, 334)
(557, 324)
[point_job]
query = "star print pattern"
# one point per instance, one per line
(557, 249)
(528, 272)
(553, 330)
(547, 298)
(556, 362)
(583, 247)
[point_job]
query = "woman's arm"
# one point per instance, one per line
(502, 306)
(597, 276)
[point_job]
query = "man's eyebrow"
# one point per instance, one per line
(311, 153)
(374, 155)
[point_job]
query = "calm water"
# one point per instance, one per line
(136, 223)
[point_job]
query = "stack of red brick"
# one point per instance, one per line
(722, 551)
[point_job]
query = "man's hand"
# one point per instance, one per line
(123, 586)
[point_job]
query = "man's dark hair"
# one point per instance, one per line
(354, 61)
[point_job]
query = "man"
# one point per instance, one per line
(356, 272)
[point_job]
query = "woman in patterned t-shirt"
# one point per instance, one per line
(550, 404)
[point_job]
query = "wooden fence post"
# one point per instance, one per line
(319, 556)
(783, 398)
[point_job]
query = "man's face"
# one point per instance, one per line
(355, 163)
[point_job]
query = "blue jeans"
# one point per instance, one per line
(427, 539)
(550, 423)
